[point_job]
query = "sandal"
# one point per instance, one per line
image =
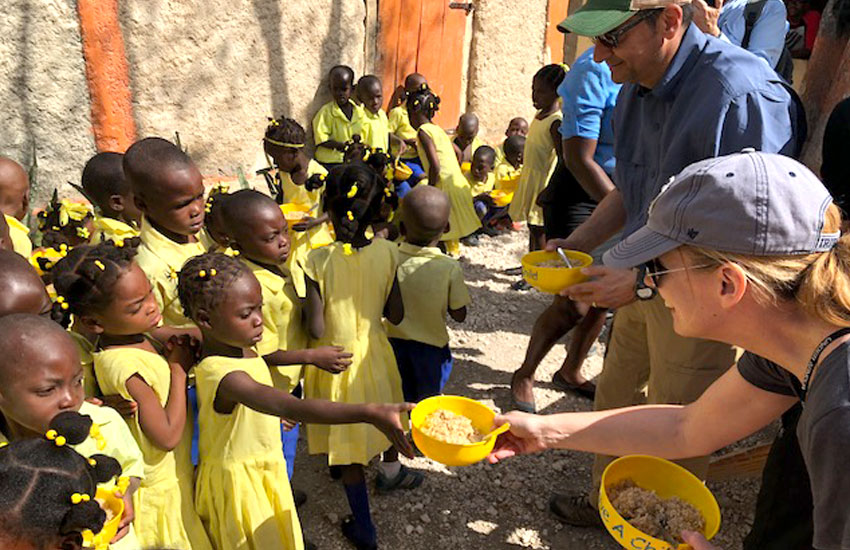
(587, 389)
(522, 406)
(406, 479)
(349, 531)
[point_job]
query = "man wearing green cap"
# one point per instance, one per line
(686, 97)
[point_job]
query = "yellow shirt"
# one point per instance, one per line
(500, 154)
(330, 123)
(110, 229)
(481, 187)
(431, 283)
(20, 235)
(282, 328)
(86, 349)
(399, 124)
(242, 492)
(161, 259)
(298, 194)
(376, 131)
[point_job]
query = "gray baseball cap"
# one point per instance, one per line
(752, 203)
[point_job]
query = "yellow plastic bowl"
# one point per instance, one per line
(501, 197)
(448, 453)
(667, 480)
(554, 279)
(465, 166)
(110, 528)
(401, 171)
(294, 213)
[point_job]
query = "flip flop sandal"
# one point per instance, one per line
(349, 531)
(513, 271)
(587, 389)
(406, 479)
(522, 406)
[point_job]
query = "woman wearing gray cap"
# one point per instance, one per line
(744, 249)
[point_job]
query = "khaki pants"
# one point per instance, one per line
(647, 362)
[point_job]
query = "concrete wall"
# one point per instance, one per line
(43, 92)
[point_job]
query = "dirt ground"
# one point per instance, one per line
(482, 506)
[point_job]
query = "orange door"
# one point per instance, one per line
(427, 37)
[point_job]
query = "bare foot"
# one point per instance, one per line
(522, 387)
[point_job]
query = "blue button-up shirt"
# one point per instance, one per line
(588, 96)
(768, 36)
(714, 99)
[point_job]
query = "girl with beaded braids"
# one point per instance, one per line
(351, 287)
(242, 491)
(41, 389)
(47, 489)
(440, 162)
(65, 222)
(110, 295)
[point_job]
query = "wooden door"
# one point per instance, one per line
(427, 37)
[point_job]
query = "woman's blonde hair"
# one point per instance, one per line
(819, 282)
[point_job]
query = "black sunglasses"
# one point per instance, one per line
(611, 39)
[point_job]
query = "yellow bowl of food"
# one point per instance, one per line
(294, 213)
(547, 272)
(645, 501)
(114, 508)
(448, 428)
(501, 197)
(401, 171)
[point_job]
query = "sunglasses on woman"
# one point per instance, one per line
(611, 39)
(654, 270)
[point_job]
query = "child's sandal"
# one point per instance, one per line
(406, 479)
(349, 531)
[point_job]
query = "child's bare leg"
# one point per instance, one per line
(582, 339)
(536, 238)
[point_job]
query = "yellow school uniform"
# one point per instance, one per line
(281, 323)
(500, 154)
(161, 259)
(376, 130)
(20, 235)
(330, 123)
(539, 162)
(399, 124)
(481, 187)
(165, 513)
(355, 288)
(86, 350)
(462, 219)
(110, 229)
(431, 283)
(242, 493)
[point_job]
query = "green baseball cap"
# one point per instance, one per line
(600, 16)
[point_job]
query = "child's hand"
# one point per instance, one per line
(179, 350)
(126, 518)
(387, 418)
(287, 424)
(333, 359)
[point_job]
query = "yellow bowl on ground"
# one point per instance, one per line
(401, 171)
(294, 213)
(667, 480)
(501, 197)
(448, 453)
(554, 279)
(110, 528)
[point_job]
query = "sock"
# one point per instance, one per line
(358, 500)
(390, 469)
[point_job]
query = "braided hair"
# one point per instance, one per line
(204, 280)
(284, 130)
(552, 75)
(85, 279)
(423, 99)
(64, 222)
(47, 489)
(354, 193)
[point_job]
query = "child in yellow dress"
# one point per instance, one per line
(242, 491)
(440, 161)
(351, 286)
(31, 340)
(541, 153)
(338, 121)
(104, 185)
(14, 202)
(112, 297)
(169, 191)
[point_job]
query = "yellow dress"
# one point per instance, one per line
(331, 124)
(376, 130)
(20, 235)
(282, 328)
(165, 513)
(399, 124)
(539, 162)
(355, 289)
(242, 493)
(463, 220)
(86, 350)
(110, 229)
(161, 259)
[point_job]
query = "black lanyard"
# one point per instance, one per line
(814, 360)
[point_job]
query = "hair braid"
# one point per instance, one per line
(204, 280)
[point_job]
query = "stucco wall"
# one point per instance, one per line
(508, 43)
(43, 92)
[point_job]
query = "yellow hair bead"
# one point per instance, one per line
(51, 434)
(350, 216)
(352, 192)
(387, 192)
(64, 306)
(346, 249)
(202, 274)
(213, 272)
(77, 498)
(100, 265)
(92, 462)
(119, 243)
(60, 441)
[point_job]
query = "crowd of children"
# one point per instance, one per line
(196, 329)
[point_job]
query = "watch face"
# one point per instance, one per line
(645, 293)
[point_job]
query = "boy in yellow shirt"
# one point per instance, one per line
(466, 140)
(169, 191)
(376, 130)
(338, 121)
(104, 185)
(431, 285)
(404, 144)
(14, 202)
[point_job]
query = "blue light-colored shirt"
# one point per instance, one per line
(768, 36)
(588, 96)
(714, 99)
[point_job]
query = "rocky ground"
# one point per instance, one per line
(483, 506)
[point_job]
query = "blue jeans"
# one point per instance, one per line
(424, 369)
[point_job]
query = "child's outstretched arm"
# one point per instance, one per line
(164, 426)
(433, 161)
(394, 308)
(314, 309)
(333, 359)
(238, 387)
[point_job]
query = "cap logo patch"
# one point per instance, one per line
(692, 233)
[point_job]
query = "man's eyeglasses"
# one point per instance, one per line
(611, 39)
(653, 270)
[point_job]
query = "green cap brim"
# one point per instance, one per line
(593, 22)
